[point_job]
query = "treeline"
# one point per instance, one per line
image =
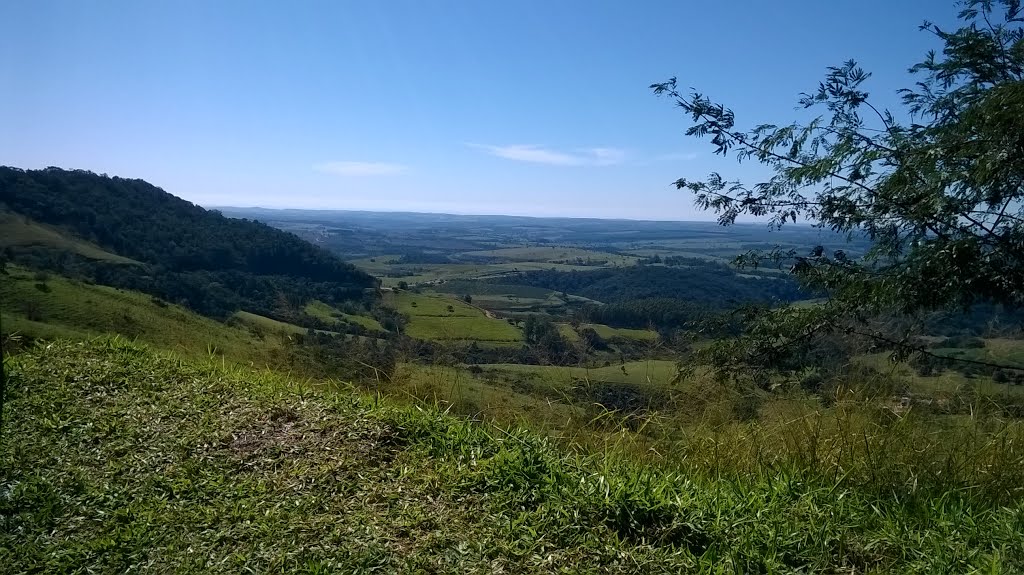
(212, 264)
(368, 359)
(708, 283)
(986, 320)
(660, 313)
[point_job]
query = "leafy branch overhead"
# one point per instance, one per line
(936, 185)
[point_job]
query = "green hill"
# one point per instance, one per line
(19, 232)
(45, 306)
(192, 256)
(117, 459)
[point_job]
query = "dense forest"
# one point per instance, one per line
(189, 255)
(707, 283)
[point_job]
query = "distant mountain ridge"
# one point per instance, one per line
(193, 256)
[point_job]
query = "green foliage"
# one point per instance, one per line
(192, 256)
(20, 234)
(78, 310)
(704, 282)
(332, 316)
(439, 318)
(936, 187)
(606, 332)
(642, 313)
(128, 460)
(592, 339)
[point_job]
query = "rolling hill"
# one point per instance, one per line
(85, 225)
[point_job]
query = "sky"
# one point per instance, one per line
(525, 107)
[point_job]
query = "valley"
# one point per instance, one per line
(512, 287)
(595, 336)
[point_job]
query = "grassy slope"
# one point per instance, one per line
(267, 323)
(120, 460)
(653, 371)
(430, 319)
(75, 309)
(607, 332)
(1001, 351)
(319, 309)
(568, 332)
(19, 231)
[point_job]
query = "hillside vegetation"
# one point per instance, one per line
(127, 460)
(433, 317)
(195, 257)
(20, 233)
(706, 282)
(44, 306)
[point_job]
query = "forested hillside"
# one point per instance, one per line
(190, 255)
(709, 283)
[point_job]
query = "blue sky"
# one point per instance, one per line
(520, 107)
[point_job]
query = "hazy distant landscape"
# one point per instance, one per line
(587, 332)
(786, 347)
(361, 235)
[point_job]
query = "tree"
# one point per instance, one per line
(592, 339)
(938, 187)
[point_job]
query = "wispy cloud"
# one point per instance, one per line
(671, 157)
(360, 168)
(542, 155)
(676, 156)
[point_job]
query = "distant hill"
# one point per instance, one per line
(189, 255)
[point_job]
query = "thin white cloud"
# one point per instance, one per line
(541, 155)
(684, 156)
(360, 168)
(672, 157)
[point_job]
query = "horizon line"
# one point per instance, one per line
(484, 215)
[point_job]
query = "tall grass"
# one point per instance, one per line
(860, 434)
(125, 459)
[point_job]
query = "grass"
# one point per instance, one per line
(118, 459)
(568, 332)
(430, 319)
(653, 371)
(462, 392)
(607, 332)
(506, 303)
(413, 304)
(1001, 351)
(267, 323)
(68, 308)
(437, 274)
(560, 254)
(321, 310)
(19, 231)
(476, 288)
(462, 328)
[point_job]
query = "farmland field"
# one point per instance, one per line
(320, 310)
(438, 317)
(610, 332)
(552, 254)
